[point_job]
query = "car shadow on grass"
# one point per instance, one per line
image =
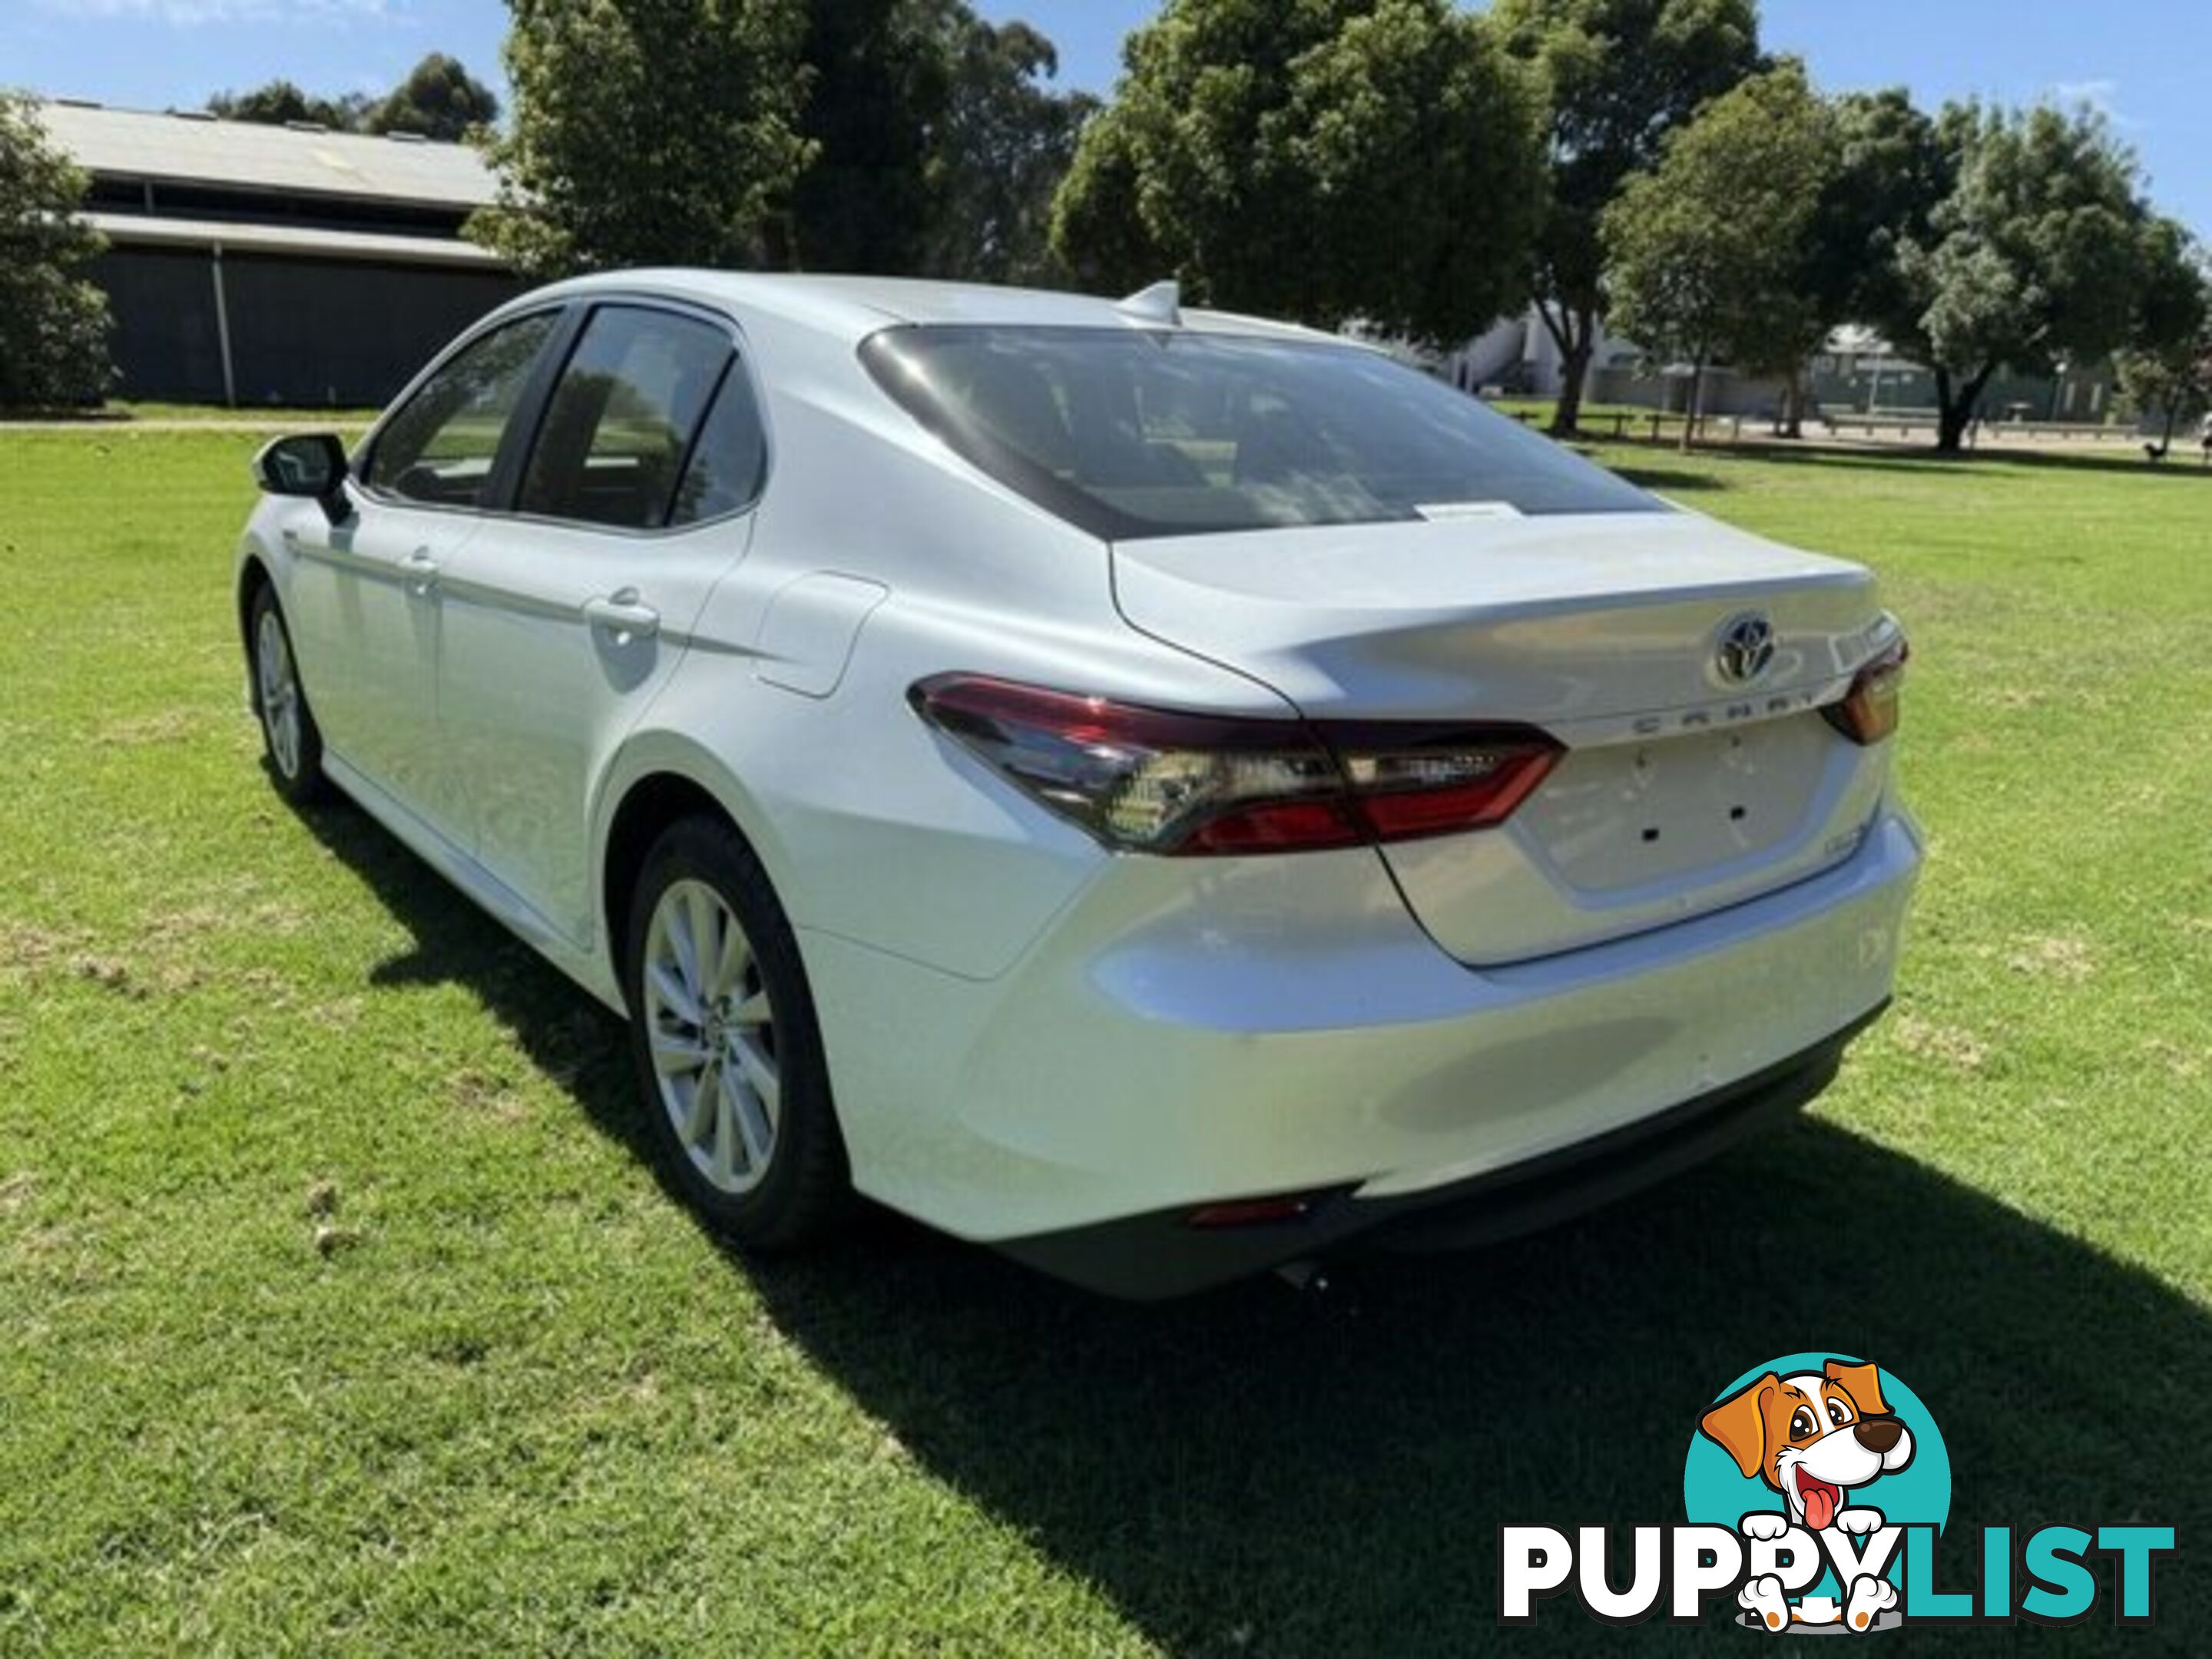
(1269, 1471)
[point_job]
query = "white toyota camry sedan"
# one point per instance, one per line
(1164, 794)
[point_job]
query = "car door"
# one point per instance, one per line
(566, 614)
(365, 593)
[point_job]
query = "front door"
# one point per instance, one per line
(370, 591)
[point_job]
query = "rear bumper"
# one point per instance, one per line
(1179, 1036)
(1162, 1255)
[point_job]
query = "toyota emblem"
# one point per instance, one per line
(1745, 647)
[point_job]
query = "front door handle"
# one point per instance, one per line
(623, 615)
(419, 572)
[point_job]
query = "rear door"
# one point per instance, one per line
(365, 594)
(566, 614)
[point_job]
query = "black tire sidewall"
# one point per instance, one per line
(804, 1191)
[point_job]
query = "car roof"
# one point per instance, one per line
(853, 307)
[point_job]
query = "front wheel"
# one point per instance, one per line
(290, 736)
(728, 1054)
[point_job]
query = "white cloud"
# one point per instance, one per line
(186, 13)
(2100, 93)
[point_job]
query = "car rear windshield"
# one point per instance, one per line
(1129, 432)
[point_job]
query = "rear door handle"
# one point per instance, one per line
(419, 572)
(623, 615)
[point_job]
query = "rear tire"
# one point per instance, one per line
(291, 741)
(727, 1049)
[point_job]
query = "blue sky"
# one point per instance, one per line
(2143, 62)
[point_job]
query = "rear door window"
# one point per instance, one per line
(439, 448)
(618, 429)
(728, 458)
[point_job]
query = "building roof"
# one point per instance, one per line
(198, 149)
(143, 230)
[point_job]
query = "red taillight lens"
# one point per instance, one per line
(1869, 710)
(1158, 781)
(1254, 1212)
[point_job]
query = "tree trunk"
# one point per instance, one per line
(1697, 396)
(1575, 333)
(1793, 404)
(1955, 413)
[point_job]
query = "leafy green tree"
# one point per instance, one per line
(278, 102)
(1328, 160)
(1709, 248)
(53, 323)
(1893, 167)
(647, 132)
(2166, 369)
(1097, 230)
(936, 144)
(439, 99)
(1621, 74)
(879, 81)
(1006, 140)
(2039, 253)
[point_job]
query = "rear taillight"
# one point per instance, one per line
(1159, 780)
(1869, 712)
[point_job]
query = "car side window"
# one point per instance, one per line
(439, 449)
(612, 444)
(728, 458)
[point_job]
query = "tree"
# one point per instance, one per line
(278, 102)
(2167, 367)
(2039, 254)
(1621, 76)
(937, 148)
(879, 77)
(1892, 168)
(1709, 248)
(53, 323)
(1326, 160)
(1097, 232)
(647, 132)
(439, 99)
(1006, 140)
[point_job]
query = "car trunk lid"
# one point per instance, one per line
(1683, 789)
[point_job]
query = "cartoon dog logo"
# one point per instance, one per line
(1815, 1437)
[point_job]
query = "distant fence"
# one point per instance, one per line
(1652, 425)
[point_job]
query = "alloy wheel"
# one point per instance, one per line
(279, 688)
(712, 1032)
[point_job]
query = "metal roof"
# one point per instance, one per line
(139, 230)
(146, 145)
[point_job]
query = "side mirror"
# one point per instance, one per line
(309, 464)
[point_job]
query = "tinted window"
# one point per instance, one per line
(620, 421)
(1133, 432)
(728, 458)
(440, 446)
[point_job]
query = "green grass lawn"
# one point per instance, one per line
(514, 1402)
(308, 419)
(124, 412)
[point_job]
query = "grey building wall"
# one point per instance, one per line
(303, 331)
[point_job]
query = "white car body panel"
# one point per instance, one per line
(1027, 1032)
(535, 695)
(1278, 1028)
